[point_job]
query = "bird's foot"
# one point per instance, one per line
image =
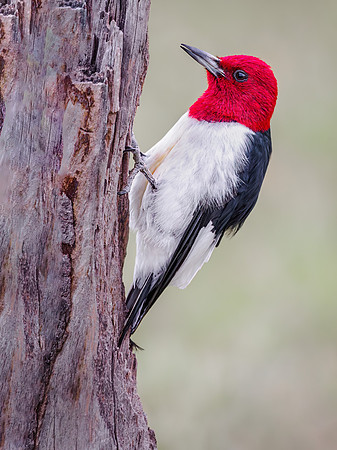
(139, 166)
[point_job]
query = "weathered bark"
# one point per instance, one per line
(71, 73)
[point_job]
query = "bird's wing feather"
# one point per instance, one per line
(231, 218)
(226, 218)
(140, 299)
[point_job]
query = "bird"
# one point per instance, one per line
(203, 178)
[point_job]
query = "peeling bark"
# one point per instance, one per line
(71, 74)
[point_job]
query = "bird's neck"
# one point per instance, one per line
(216, 107)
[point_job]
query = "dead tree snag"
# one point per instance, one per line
(71, 74)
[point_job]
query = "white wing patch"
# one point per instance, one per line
(196, 162)
(198, 256)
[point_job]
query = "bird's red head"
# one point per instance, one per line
(240, 89)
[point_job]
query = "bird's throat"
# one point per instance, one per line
(214, 106)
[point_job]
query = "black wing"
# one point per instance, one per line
(231, 218)
(228, 218)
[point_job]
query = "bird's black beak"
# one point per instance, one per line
(210, 62)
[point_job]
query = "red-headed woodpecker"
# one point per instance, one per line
(208, 171)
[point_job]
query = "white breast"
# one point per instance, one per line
(196, 162)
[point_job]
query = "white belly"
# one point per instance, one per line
(196, 163)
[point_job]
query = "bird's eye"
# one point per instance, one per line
(240, 75)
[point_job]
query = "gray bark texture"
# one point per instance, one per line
(71, 74)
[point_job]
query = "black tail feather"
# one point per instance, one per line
(135, 299)
(132, 297)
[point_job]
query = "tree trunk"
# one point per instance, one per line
(71, 74)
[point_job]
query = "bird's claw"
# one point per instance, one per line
(129, 149)
(139, 166)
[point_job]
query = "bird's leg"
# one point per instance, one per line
(139, 166)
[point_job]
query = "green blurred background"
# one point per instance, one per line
(245, 358)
